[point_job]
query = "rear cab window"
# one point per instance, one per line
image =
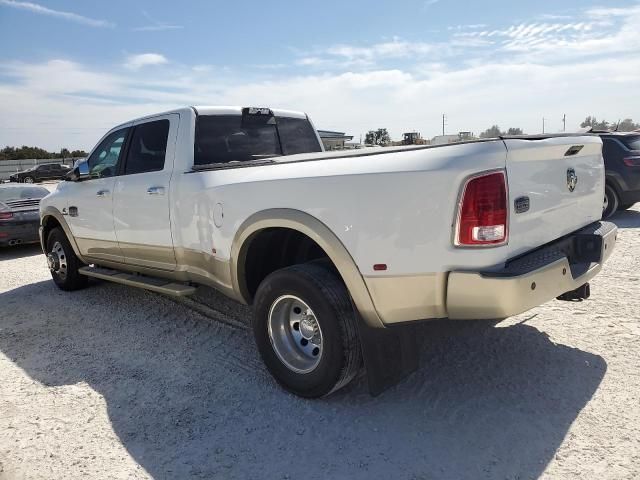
(229, 139)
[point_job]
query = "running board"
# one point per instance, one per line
(154, 284)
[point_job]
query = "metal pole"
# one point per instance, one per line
(542, 124)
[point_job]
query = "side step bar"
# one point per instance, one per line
(154, 284)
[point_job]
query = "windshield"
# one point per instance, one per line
(235, 138)
(22, 193)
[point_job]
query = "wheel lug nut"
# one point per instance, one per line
(304, 342)
(316, 351)
(296, 326)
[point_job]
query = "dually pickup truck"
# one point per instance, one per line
(332, 249)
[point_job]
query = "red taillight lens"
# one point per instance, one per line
(632, 161)
(6, 215)
(482, 213)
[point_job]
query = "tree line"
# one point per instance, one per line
(381, 136)
(25, 152)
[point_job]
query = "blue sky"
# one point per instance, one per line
(70, 70)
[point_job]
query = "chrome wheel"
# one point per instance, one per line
(57, 260)
(295, 334)
(605, 204)
(28, 179)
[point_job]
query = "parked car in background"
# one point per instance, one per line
(19, 219)
(52, 171)
(621, 153)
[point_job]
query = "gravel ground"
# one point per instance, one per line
(112, 382)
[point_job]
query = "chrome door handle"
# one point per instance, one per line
(102, 193)
(155, 190)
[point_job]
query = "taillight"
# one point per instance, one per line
(6, 215)
(482, 212)
(632, 161)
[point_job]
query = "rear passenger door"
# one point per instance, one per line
(141, 213)
(43, 172)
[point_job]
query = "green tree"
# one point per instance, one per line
(595, 124)
(627, 125)
(377, 137)
(25, 152)
(514, 131)
(492, 132)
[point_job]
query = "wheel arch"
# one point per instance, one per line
(51, 218)
(319, 233)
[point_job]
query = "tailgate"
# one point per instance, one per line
(563, 179)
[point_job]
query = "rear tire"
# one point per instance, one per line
(626, 206)
(305, 328)
(63, 262)
(611, 202)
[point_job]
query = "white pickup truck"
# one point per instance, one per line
(330, 248)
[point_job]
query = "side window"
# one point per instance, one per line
(297, 136)
(43, 168)
(103, 162)
(148, 147)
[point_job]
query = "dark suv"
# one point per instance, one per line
(621, 153)
(53, 171)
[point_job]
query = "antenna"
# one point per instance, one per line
(444, 118)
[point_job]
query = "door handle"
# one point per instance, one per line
(155, 191)
(102, 193)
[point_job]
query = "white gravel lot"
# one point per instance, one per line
(112, 382)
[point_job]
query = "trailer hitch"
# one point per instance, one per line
(581, 293)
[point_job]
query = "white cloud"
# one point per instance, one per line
(135, 62)
(74, 17)
(428, 3)
(553, 68)
(157, 28)
(156, 25)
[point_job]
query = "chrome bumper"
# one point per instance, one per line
(532, 279)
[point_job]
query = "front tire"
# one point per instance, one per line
(28, 179)
(611, 202)
(63, 262)
(306, 330)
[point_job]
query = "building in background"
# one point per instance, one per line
(335, 140)
(457, 138)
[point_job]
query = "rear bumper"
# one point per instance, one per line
(22, 232)
(532, 279)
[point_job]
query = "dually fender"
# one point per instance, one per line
(319, 233)
(55, 213)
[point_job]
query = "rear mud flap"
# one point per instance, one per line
(389, 355)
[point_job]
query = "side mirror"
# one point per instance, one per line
(79, 172)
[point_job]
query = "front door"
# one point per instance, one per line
(141, 212)
(90, 202)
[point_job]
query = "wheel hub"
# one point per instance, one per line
(53, 261)
(57, 260)
(308, 326)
